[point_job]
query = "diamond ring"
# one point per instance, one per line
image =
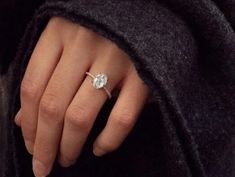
(100, 81)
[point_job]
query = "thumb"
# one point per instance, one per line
(18, 118)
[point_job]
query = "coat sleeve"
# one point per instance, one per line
(184, 51)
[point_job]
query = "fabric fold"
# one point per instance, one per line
(195, 94)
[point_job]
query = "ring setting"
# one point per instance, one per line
(100, 81)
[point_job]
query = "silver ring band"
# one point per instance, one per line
(99, 81)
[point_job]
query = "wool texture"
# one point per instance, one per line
(184, 50)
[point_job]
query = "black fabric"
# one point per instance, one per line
(14, 16)
(184, 50)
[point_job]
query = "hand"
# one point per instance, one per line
(59, 103)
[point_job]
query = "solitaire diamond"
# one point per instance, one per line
(100, 81)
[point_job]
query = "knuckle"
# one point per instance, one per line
(29, 90)
(49, 107)
(78, 116)
(53, 29)
(125, 120)
(54, 23)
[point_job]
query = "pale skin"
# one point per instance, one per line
(59, 103)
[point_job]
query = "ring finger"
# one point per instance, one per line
(83, 110)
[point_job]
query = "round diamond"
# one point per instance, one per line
(100, 80)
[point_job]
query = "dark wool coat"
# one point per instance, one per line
(184, 50)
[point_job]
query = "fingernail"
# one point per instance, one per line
(39, 168)
(98, 152)
(66, 163)
(29, 146)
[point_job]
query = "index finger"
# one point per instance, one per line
(40, 67)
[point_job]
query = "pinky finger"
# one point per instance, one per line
(124, 114)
